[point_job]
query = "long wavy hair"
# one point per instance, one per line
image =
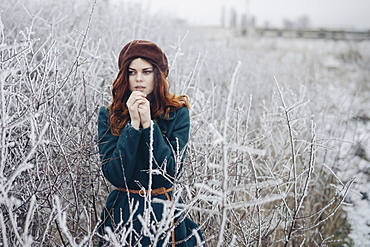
(162, 102)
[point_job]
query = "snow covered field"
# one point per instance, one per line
(279, 151)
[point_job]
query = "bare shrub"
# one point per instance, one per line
(261, 168)
(272, 187)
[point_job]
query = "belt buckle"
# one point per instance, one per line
(142, 192)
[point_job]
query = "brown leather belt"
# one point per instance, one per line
(155, 192)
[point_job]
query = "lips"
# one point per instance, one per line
(139, 88)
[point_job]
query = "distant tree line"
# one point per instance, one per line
(300, 22)
(236, 20)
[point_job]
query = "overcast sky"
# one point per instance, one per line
(352, 14)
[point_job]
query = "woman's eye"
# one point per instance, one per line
(147, 71)
(131, 72)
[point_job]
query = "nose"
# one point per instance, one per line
(139, 77)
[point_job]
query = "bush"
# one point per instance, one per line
(262, 164)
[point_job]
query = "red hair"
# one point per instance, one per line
(162, 102)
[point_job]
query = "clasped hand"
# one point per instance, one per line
(139, 108)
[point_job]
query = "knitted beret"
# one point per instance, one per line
(144, 49)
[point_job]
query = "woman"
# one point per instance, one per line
(139, 135)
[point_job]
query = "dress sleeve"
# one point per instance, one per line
(117, 153)
(164, 148)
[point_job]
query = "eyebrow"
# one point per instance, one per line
(142, 69)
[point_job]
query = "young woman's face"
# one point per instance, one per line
(141, 76)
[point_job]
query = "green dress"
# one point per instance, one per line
(125, 164)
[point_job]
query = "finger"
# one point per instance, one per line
(133, 99)
(135, 105)
(138, 94)
(142, 108)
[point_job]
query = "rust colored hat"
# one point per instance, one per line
(144, 49)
